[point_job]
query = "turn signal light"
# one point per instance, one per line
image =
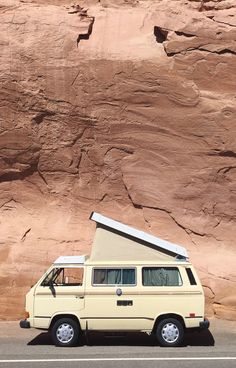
(26, 315)
(191, 315)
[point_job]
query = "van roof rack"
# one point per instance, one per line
(141, 235)
(70, 259)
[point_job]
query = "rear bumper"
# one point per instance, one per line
(204, 325)
(24, 324)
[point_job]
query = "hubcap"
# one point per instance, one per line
(65, 333)
(170, 332)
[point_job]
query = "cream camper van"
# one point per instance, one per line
(132, 281)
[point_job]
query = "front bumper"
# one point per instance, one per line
(204, 325)
(24, 324)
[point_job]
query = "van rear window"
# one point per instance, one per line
(161, 276)
(191, 277)
(114, 276)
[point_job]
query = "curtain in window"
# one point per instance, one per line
(161, 276)
(114, 277)
(128, 276)
(100, 276)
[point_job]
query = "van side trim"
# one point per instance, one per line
(194, 317)
(150, 319)
(146, 292)
(42, 317)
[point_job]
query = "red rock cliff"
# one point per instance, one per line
(123, 107)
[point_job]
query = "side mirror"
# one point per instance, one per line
(52, 288)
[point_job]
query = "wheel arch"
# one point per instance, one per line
(165, 316)
(64, 315)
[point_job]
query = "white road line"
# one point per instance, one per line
(111, 359)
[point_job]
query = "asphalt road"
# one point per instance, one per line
(33, 348)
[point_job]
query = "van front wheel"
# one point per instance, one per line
(170, 332)
(65, 332)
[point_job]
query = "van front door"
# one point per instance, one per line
(61, 292)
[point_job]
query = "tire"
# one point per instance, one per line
(170, 332)
(65, 332)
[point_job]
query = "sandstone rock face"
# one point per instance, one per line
(123, 107)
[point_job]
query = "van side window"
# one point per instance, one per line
(114, 276)
(161, 276)
(191, 277)
(65, 277)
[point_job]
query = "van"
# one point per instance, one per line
(132, 281)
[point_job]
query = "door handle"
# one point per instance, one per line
(126, 303)
(79, 297)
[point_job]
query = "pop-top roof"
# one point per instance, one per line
(141, 235)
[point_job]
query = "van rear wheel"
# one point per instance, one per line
(65, 332)
(170, 332)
